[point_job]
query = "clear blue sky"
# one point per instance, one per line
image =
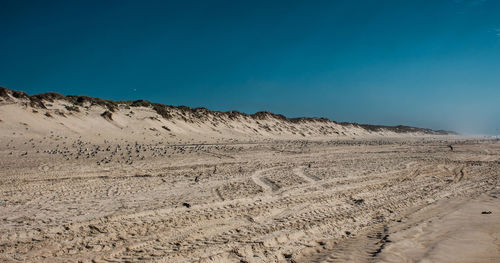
(424, 63)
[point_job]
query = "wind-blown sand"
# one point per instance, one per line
(78, 186)
(450, 231)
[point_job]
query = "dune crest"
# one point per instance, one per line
(87, 116)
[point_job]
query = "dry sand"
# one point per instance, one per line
(83, 188)
(451, 231)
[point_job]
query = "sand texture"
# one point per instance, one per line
(94, 187)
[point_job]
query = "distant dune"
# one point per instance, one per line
(91, 117)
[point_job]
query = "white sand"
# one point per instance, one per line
(450, 231)
(82, 188)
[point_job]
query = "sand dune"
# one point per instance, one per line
(112, 182)
(94, 118)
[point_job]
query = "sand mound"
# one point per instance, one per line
(95, 117)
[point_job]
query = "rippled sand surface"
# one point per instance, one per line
(394, 200)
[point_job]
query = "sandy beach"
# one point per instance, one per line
(460, 230)
(81, 186)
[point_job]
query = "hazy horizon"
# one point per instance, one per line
(418, 63)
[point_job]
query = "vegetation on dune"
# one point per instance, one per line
(189, 114)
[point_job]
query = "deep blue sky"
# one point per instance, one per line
(424, 63)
